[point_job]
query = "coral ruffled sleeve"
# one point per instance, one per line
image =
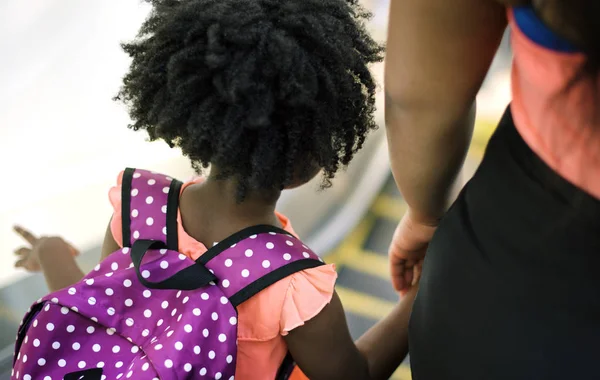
(309, 291)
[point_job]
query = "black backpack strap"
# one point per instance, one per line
(255, 258)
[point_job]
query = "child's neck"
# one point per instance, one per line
(210, 211)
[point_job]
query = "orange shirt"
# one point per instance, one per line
(264, 319)
(550, 120)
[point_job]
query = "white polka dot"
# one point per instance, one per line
(119, 376)
(166, 190)
(24, 358)
(72, 291)
(225, 283)
(197, 312)
(135, 349)
(245, 273)
(41, 362)
(50, 326)
(289, 243)
(187, 367)
(145, 367)
(56, 345)
(129, 322)
(54, 300)
(100, 365)
(147, 313)
(70, 328)
(164, 264)
(64, 310)
(212, 354)
(233, 321)
(110, 331)
(173, 312)
(164, 230)
(164, 304)
(204, 296)
(222, 338)
(185, 299)
(97, 267)
(178, 346)
(158, 347)
(197, 350)
(125, 250)
(203, 371)
(179, 318)
(136, 234)
(149, 221)
(94, 319)
(109, 292)
(229, 359)
(111, 311)
(306, 255)
(47, 307)
(270, 245)
(81, 364)
(205, 333)
(76, 346)
(168, 363)
(26, 377)
(178, 294)
(96, 347)
(249, 253)
(145, 333)
(287, 257)
(147, 293)
(90, 329)
(109, 274)
(266, 264)
(170, 333)
(35, 323)
(151, 182)
(253, 237)
(62, 363)
(89, 281)
(134, 213)
(129, 374)
(224, 300)
(116, 349)
(128, 302)
(187, 328)
(134, 192)
(218, 376)
(47, 378)
(228, 263)
(182, 256)
(149, 200)
(164, 209)
(136, 175)
(214, 316)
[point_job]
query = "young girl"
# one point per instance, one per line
(268, 93)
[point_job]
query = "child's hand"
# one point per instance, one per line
(407, 250)
(28, 256)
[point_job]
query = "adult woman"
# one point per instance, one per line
(509, 287)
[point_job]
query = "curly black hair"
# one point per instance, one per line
(260, 88)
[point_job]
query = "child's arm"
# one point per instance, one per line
(55, 258)
(323, 348)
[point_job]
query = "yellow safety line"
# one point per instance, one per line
(364, 304)
(371, 263)
(389, 207)
(402, 373)
(351, 246)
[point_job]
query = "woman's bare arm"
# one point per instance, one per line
(438, 54)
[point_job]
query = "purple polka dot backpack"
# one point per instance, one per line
(150, 312)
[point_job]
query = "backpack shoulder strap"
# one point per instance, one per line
(255, 258)
(149, 207)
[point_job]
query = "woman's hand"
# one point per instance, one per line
(407, 250)
(28, 256)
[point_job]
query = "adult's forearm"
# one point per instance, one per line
(60, 269)
(427, 149)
